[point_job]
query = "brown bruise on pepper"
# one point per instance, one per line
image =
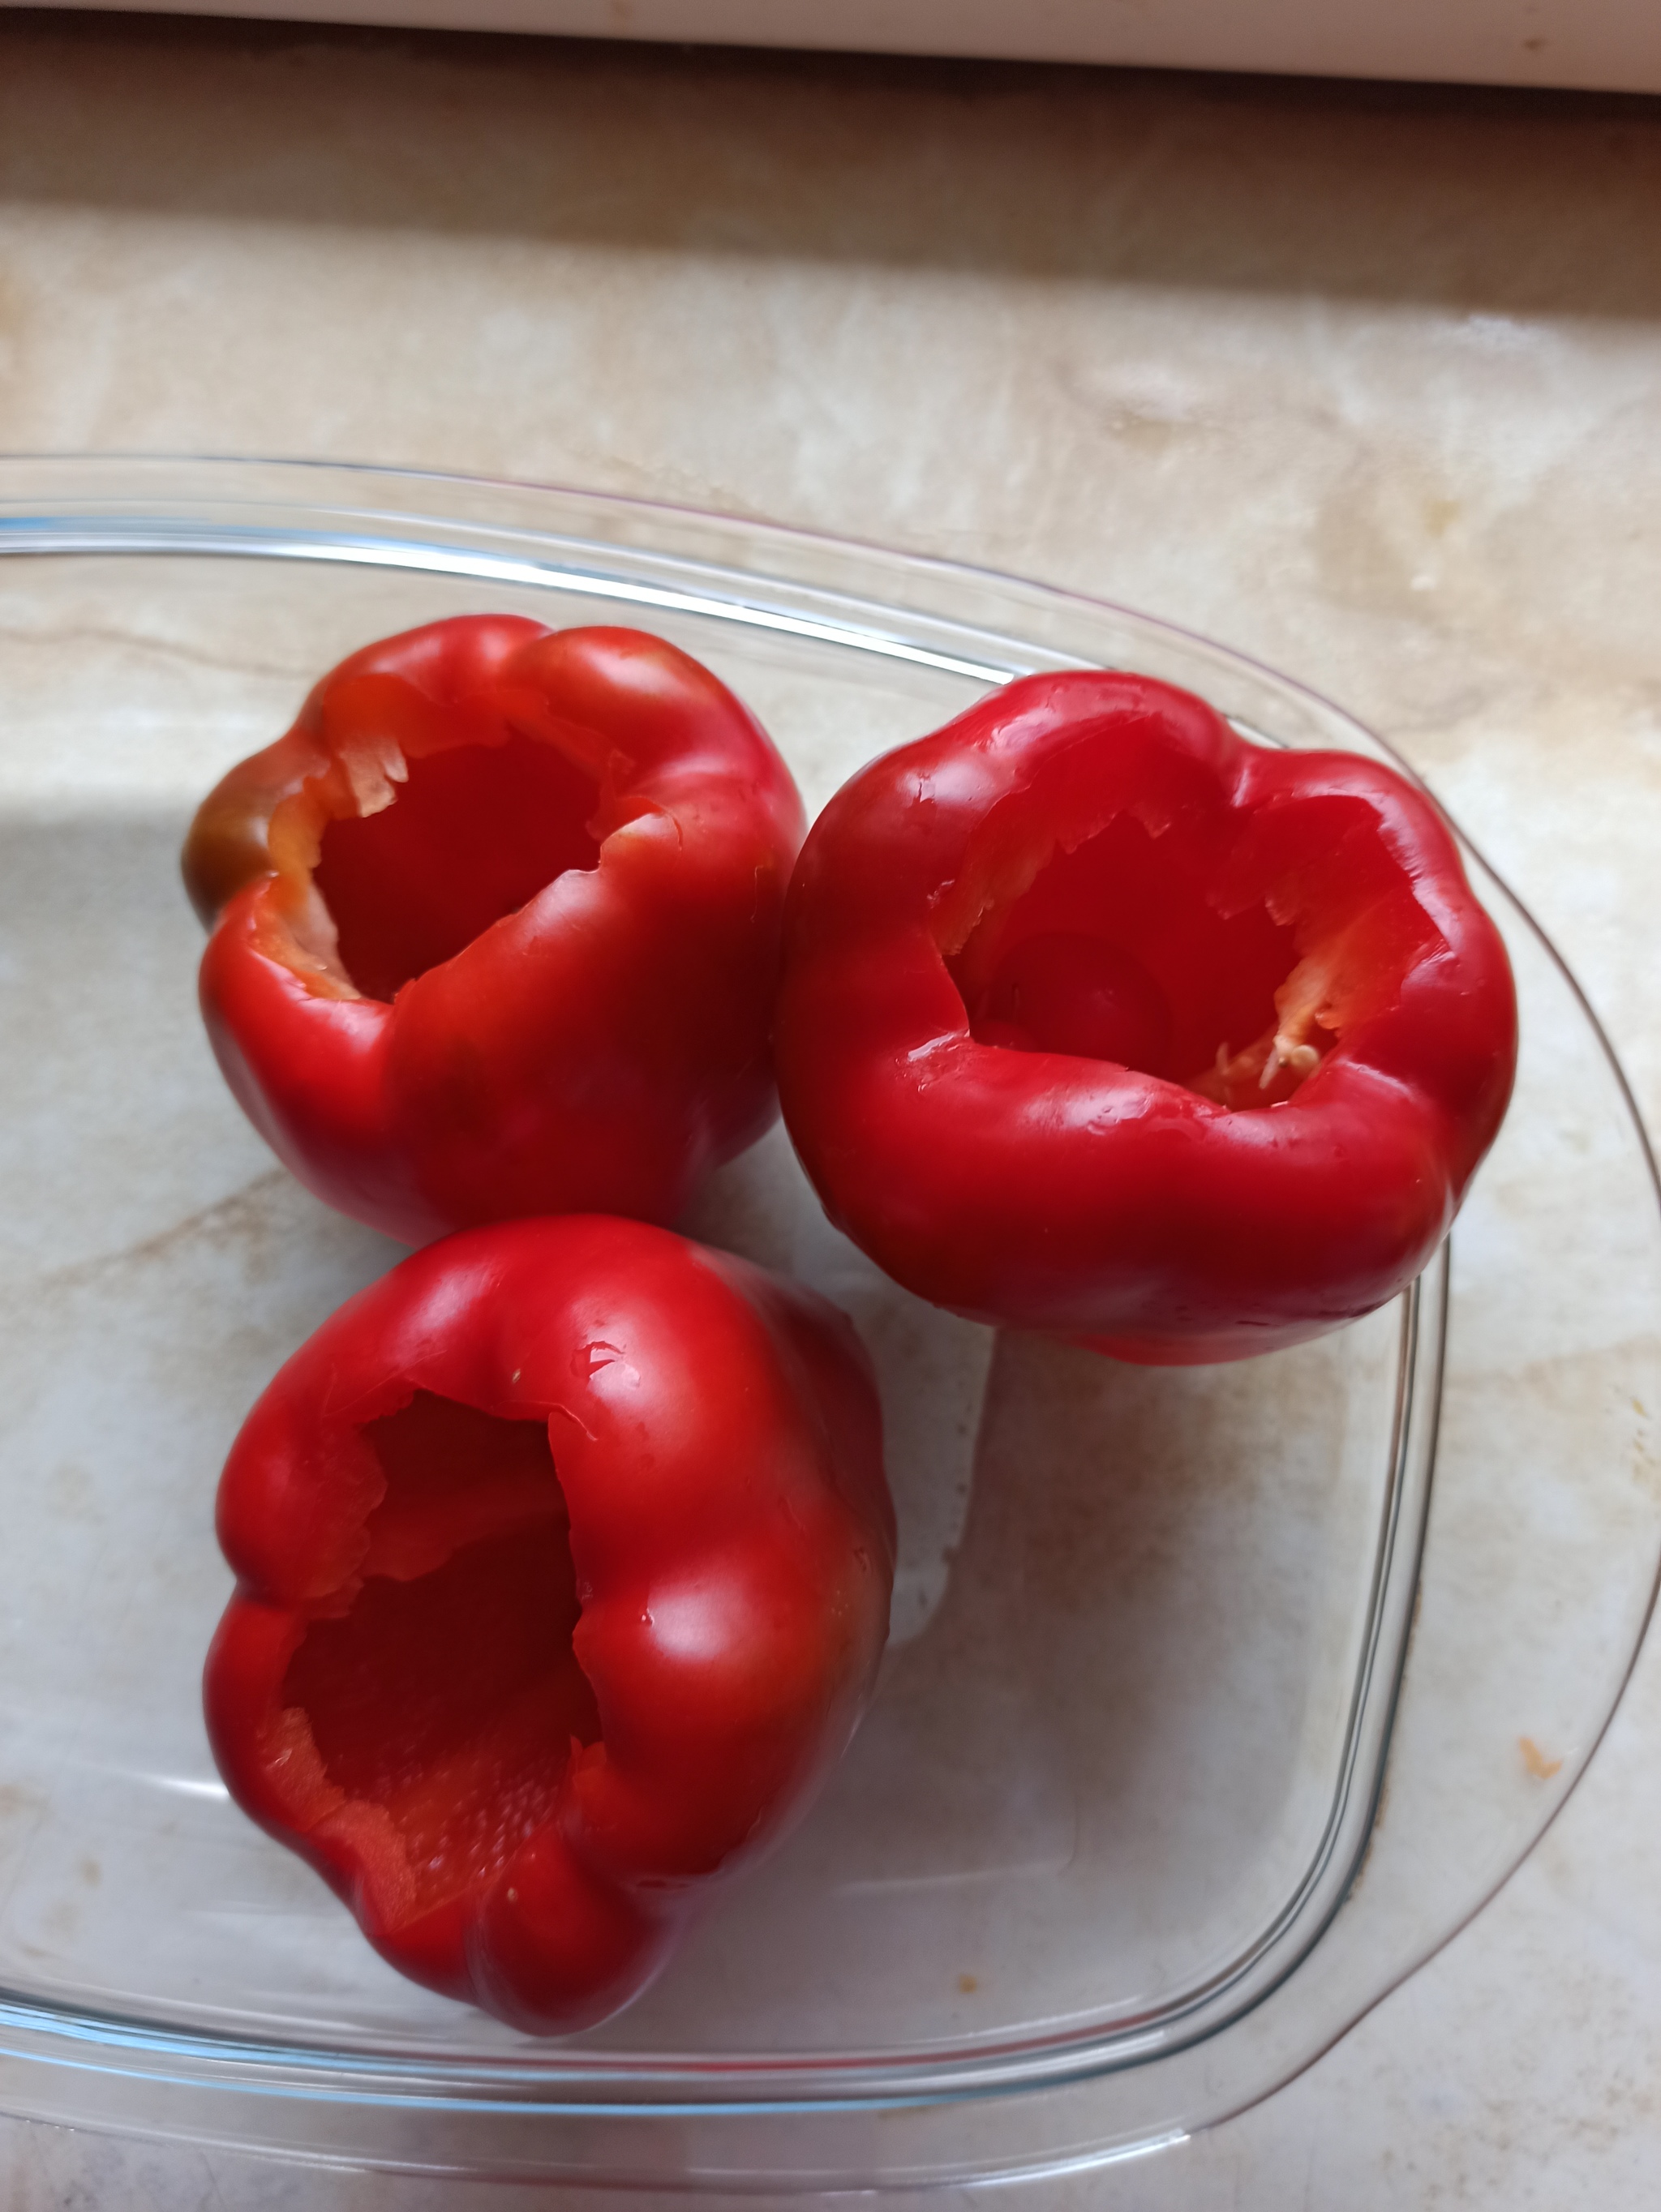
(229, 842)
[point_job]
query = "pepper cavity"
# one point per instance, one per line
(438, 1686)
(461, 838)
(1184, 942)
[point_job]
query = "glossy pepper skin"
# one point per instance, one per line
(1098, 1019)
(563, 1556)
(494, 927)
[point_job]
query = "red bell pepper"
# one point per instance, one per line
(495, 926)
(563, 1558)
(1098, 1019)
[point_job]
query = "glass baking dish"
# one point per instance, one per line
(1217, 1700)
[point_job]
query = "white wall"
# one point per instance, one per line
(1607, 44)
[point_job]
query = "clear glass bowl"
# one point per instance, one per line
(1209, 1715)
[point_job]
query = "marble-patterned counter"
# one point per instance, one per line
(1366, 382)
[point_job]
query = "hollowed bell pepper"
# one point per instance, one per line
(1098, 1019)
(495, 926)
(563, 1558)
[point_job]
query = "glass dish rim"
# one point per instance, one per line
(463, 2079)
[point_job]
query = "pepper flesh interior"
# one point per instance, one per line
(471, 834)
(448, 1693)
(1115, 951)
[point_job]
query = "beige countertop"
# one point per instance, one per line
(1367, 383)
